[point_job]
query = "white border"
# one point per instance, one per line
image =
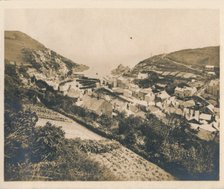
(159, 4)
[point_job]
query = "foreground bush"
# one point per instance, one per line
(19, 135)
(48, 143)
(42, 153)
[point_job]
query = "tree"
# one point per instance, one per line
(105, 120)
(153, 140)
(170, 88)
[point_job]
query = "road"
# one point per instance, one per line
(179, 63)
(71, 128)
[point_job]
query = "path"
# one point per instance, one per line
(181, 64)
(71, 128)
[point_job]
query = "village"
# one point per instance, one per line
(196, 101)
(111, 94)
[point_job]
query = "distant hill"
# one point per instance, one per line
(199, 57)
(120, 70)
(28, 52)
(188, 60)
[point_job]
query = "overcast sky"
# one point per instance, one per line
(104, 38)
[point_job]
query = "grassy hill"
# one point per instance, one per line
(188, 60)
(26, 51)
(15, 41)
(199, 57)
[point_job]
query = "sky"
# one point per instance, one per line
(105, 38)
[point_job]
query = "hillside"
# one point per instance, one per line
(197, 57)
(188, 60)
(29, 53)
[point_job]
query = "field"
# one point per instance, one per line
(127, 165)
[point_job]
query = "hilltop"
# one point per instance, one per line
(24, 51)
(188, 60)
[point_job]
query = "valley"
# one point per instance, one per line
(157, 121)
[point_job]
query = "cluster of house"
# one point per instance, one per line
(185, 91)
(134, 100)
(210, 70)
(78, 87)
(197, 111)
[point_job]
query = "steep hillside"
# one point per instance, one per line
(189, 60)
(15, 41)
(29, 53)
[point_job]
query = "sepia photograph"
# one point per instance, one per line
(111, 94)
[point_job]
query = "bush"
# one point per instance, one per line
(48, 143)
(19, 134)
(196, 162)
(97, 147)
(105, 120)
(12, 89)
(42, 153)
(73, 165)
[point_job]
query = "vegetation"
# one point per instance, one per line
(97, 147)
(12, 88)
(172, 147)
(40, 153)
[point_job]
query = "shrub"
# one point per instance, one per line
(74, 164)
(97, 147)
(19, 133)
(12, 89)
(105, 120)
(48, 143)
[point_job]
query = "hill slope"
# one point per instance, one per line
(189, 60)
(28, 52)
(197, 57)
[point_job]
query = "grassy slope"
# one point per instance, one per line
(15, 41)
(199, 57)
(190, 57)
